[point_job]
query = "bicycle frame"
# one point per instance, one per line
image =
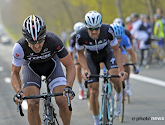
(107, 92)
(105, 115)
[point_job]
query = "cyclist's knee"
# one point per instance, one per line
(94, 91)
(61, 102)
(33, 105)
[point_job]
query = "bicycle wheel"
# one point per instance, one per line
(105, 111)
(47, 122)
(121, 117)
(128, 99)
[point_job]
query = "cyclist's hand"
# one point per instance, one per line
(18, 97)
(68, 90)
(123, 75)
(135, 70)
(86, 75)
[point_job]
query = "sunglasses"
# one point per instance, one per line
(118, 37)
(92, 29)
(31, 41)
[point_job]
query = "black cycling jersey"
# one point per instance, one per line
(98, 45)
(128, 34)
(52, 45)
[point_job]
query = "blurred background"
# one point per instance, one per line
(61, 15)
(148, 99)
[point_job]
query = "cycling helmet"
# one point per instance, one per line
(34, 29)
(128, 19)
(118, 20)
(78, 26)
(93, 19)
(118, 29)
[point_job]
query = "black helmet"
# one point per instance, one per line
(34, 29)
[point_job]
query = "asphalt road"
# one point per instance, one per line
(148, 100)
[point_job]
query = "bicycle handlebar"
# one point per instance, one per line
(134, 66)
(103, 76)
(44, 95)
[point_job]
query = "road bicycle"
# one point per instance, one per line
(107, 103)
(49, 115)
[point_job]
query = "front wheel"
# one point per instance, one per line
(121, 117)
(105, 111)
(47, 122)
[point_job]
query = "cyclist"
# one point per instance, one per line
(72, 50)
(39, 52)
(125, 45)
(120, 21)
(101, 46)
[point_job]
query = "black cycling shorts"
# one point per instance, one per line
(94, 61)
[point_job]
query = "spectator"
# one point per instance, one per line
(64, 36)
(139, 33)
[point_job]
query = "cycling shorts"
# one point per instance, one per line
(94, 61)
(32, 72)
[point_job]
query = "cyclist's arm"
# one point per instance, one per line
(118, 57)
(70, 69)
(15, 78)
(133, 55)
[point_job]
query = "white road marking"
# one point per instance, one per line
(148, 79)
(1, 68)
(7, 79)
(24, 105)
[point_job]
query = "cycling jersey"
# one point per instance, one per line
(72, 42)
(125, 44)
(45, 63)
(128, 34)
(98, 50)
(52, 45)
(98, 45)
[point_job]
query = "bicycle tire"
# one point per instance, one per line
(121, 117)
(47, 122)
(105, 120)
(128, 99)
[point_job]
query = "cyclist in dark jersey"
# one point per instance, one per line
(72, 50)
(101, 46)
(39, 53)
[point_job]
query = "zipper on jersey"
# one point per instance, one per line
(96, 46)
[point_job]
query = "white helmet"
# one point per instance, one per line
(78, 26)
(118, 20)
(93, 19)
(128, 19)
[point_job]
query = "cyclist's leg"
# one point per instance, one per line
(94, 93)
(57, 81)
(79, 79)
(93, 64)
(113, 70)
(31, 86)
(127, 69)
(64, 112)
(33, 105)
